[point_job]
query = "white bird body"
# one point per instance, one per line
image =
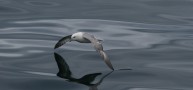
(79, 37)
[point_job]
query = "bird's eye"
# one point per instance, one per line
(74, 37)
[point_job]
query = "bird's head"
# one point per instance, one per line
(77, 36)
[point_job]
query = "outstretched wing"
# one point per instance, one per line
(99, 48)
(63, 41)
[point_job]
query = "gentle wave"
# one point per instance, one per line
(149, 43)
(116, 34)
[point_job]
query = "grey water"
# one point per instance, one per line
(149, 42)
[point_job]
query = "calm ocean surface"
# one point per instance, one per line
(154, 38)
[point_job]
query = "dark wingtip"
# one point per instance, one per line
(110, 66)
(62, 41)
(112, 69)
(58, 45)
(55, 46)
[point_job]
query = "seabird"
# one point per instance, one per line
(83, 37)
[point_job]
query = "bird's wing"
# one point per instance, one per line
(99, 48)
(63, 41)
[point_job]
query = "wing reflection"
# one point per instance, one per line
(65, 73)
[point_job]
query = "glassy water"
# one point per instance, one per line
(153, 38)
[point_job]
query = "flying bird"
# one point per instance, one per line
(83, 37)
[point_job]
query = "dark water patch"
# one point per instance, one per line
(171, 3)
(152, 30)
(27, 36)
(163, 31)
(187, 20)
(44, 84)
(9, 10)
(184, 67)
(89, 30)
(187, 43)
(42, 4)
(4, 1)
(121, 35)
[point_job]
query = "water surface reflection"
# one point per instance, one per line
(65, 73)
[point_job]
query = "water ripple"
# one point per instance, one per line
(116, 34)
(151, 41)
(42, 4)
(182, 66)
(26, 51)
(9, 10)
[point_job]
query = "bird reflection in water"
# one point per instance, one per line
(65, 73)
